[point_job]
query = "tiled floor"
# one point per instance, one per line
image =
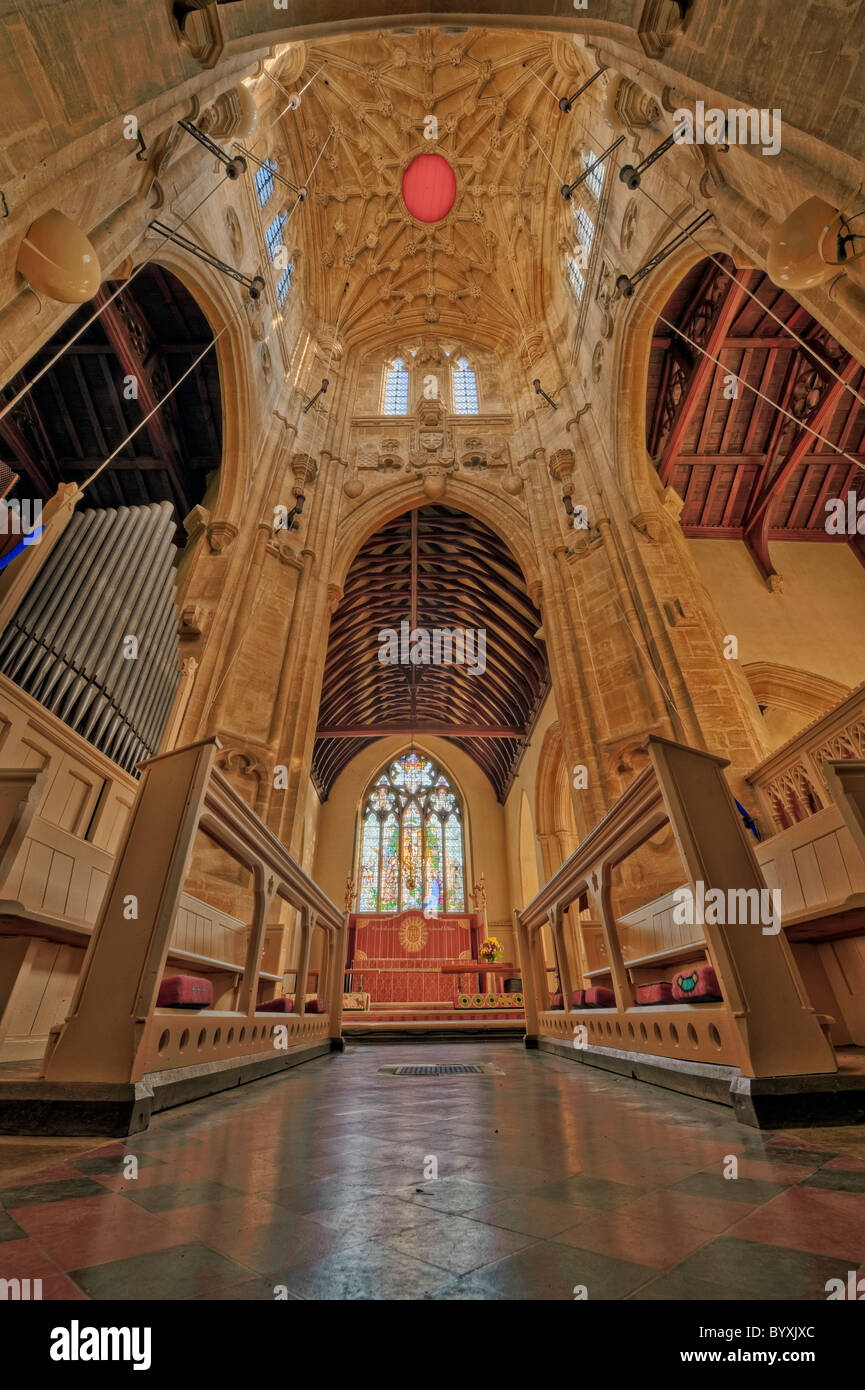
(551, 1177)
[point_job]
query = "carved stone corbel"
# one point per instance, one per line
(198, 27)
(191, 622)
(672, 502)
(660, 24)
(195, 523)
(648, 524)
(561, 465)
(221, 535)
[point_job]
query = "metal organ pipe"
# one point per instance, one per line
(110, 576)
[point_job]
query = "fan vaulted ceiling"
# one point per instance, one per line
(437, 568)
(366, 113)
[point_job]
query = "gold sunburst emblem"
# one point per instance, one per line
(413, 933)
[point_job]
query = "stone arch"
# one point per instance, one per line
(554, 812)
(527, 860)
(788, 687)
(640, 485)
(237, 382)
(374, 513)
(791, 698)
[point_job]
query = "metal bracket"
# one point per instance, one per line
(234, 165)
(254, 283)
(626, 284)
(566, 103)
(320, 392)
(632, 175)
(302, 193)
(541, 392)
(568, 189)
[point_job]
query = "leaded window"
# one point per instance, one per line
(412, 848)
(465, 389)
(396, 389)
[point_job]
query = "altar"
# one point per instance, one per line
(399, 958)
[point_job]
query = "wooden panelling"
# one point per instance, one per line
(39, 997)
(209, 932)
(58, 873)
(814, 863)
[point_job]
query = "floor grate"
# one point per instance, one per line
(443, 1069)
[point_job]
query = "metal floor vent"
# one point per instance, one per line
(444, 1069)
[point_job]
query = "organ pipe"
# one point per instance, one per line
(110, 577)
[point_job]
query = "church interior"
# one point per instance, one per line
(432, 653)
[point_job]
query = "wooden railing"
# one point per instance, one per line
(790, 785)
(765, 1024)
(115, 1031)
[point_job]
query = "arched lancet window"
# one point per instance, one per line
(595, 178)
(273, 235)
(264, 180)
(395, 400)
(465, 389)
(283, 284)
(576, 278)
(585, 229)
(578, 260)
(411, 842)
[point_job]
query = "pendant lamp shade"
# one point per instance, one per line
(803, 249)
(59, 260)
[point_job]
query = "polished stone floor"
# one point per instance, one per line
(551, 1177)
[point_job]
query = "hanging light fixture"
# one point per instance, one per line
(59, 260)
(807, 248)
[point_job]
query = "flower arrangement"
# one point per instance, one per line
(490, 949)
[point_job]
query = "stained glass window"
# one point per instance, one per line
(389, 890)
(411, 841)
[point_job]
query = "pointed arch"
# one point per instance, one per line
(554, 812)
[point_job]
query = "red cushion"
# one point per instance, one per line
(659, 993)
(283, 1005)
(578, 999)
(184, 992)
(557, 1001)
(315, 1006)
(600, 998)
(696, 982)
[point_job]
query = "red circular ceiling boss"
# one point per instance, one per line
(429, 187)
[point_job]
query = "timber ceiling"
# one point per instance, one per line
(476, 273)
(77, 414)
(438, 568)
(744, 470)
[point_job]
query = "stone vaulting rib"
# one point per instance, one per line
(454, 573)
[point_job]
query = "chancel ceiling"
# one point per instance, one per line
(475, 273)
(433, 568)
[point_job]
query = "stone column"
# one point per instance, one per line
(296, 711)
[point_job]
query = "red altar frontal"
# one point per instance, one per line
(398, 959)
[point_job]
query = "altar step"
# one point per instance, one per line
(433, 1021)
